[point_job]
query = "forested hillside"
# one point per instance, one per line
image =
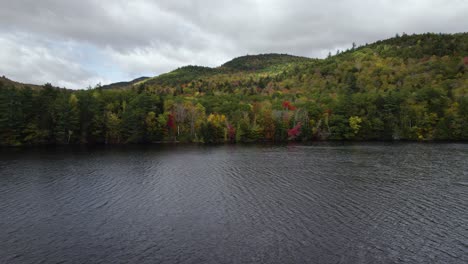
(405, 88)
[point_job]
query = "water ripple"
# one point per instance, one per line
(323, 203)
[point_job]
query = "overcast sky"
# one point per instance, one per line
(80, 43)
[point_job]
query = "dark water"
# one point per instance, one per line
(353, 203)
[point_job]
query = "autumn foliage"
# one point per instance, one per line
(405, 88)
(170, 121)
(288, 106)
(295, 131)
(231, 132)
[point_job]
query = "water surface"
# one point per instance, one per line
(324, 203)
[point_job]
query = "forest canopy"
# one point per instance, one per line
(404, 88)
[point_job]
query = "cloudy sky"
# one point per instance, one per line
(80, 43)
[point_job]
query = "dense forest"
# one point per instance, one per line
(410, 87)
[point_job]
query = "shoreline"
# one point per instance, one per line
(259, 143)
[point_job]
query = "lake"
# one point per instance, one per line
(320, 203)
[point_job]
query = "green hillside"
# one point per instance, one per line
(5, 82)
(268, 63)
(124, 85)
(262, 62)
(410, 87)
(180, 76)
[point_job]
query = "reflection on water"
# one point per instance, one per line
(324, 203)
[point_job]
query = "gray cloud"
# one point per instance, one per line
(32, 60)
(59, 40)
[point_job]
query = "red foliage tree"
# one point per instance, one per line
(288, 106)
(295, 131)
(465, 60)
(171, 121)
(231, 132)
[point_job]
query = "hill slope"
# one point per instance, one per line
(242, 65)
(5, 82)
(124, 85)
(262, 61)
